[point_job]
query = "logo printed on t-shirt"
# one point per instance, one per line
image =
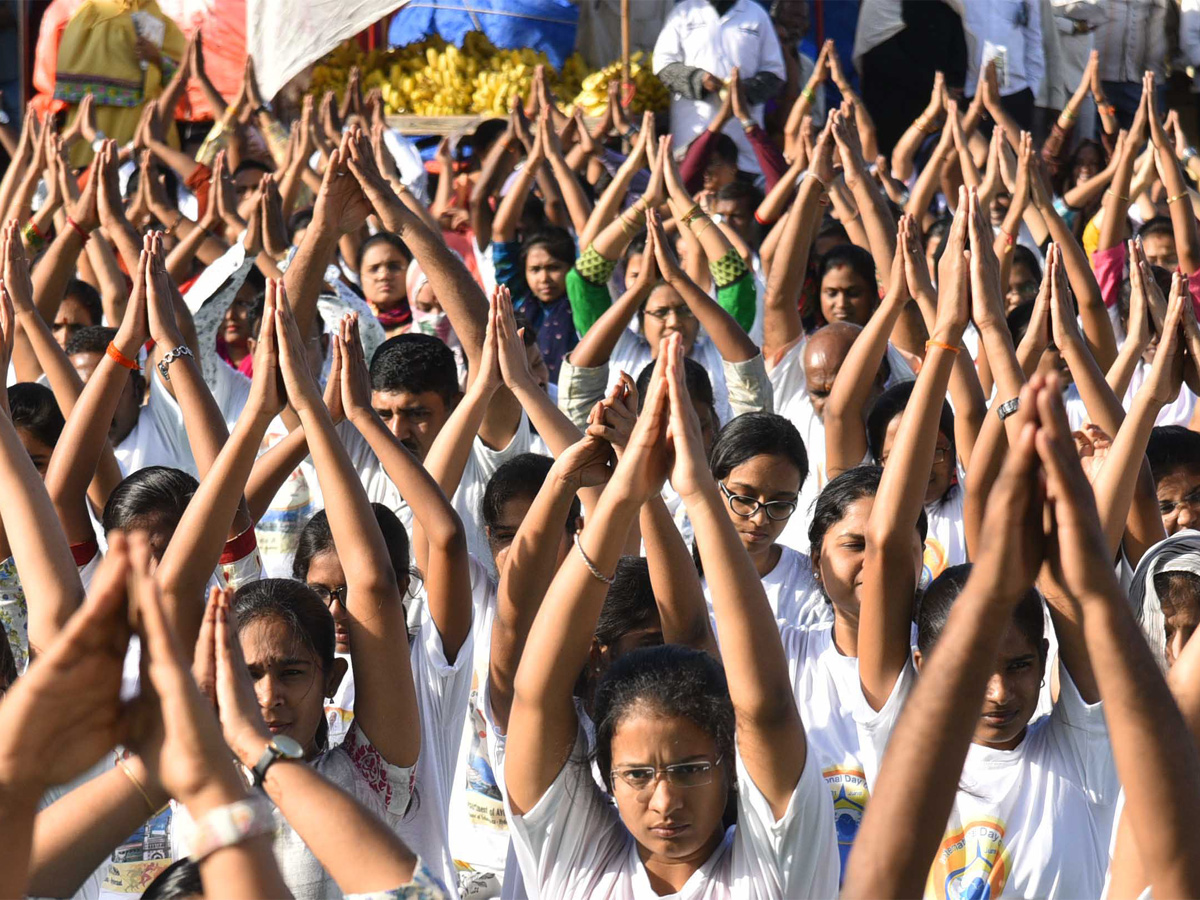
(971, 864)
(848, 784)
(934, 560)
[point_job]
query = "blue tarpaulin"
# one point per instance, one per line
(546, 25)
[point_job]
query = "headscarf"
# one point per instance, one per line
(1178, 553)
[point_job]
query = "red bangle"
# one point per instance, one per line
(1008, 237)
(86, 236)
(943, 346)
(121, 359)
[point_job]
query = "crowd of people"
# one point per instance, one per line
(611, 514)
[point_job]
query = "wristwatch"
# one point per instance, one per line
(1008, 407)
(281, 747)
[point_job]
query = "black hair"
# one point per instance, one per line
(669, 680)
(485, 135)
(301, 218)
(832, 226)
(858, 260)
(695, 377)
(305, 614)
(251, 165)
(839, 494)
(629, 603)
(933, 610)
(8, 662)
(741, 191)
(1157, 225)
(415, 363)
(384, 237)
(316, 538)
(520, 477)
(153, 498)
(1018, 320)
(724, 149)
(1178, 588)
(939, 231)
(87, 297)
(178, 881)
(1170, 448)
(892, 403)
(555, 241)
(34, 408)
(1023, 256)
(755, 434)
(1162, 277)
(90, 339)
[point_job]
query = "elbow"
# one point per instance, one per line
(448, 537)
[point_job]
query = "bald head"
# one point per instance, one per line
(823, 355)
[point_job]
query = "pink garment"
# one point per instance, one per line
(1109, 267)
(246, 366)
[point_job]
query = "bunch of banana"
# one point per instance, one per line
(649, 92)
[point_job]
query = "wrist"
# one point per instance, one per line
(951, 335)
(249, 747)
(225, 789)
(128, 343)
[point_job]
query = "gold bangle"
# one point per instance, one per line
(1118, 196)
(137, 784)
(696, 232)
(692, 213)
(1171, 200)
(696, 220)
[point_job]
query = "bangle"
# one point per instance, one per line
(1008, 407)
(699, 229)
(170, 357)
(747, 123)
(591, 566)
(696, 210)
(1171, 200)
(33, 236)
(171, 228)
(120, 763)
(811, 174)
(808, 93)
(1068, 115)
(944, 346)
(226, 826)
(1110, 109)
(626, 226)
(1008, 237)
(121, 359)
(79, 230)
(1118, 196)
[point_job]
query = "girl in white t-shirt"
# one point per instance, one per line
(673, 730)
(760, 463)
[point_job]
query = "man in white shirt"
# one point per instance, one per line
(1133, 40)
(700, 44)
(1010, 33)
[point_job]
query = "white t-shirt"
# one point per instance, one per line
(1177, 412)
(478, 829)
(792, 591)
(442, 690)
(697, 35)
(845, 735)
(573, 844)
(632, 354)
(159, 437)
(946, 539)
(1034, 821)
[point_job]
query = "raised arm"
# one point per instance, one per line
(1116, 198)
(781, 303)
(914, 793)
(445, 562)
(727, 335)
(1144, 724)
(1183, 219)
(924, 125)
(889, 575)
(595, 347)
(877, 219)
(386, 701)
(846, 406)
(579, 207)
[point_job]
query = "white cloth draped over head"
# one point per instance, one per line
(1178, 553)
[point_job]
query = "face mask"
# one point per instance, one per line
(431, 323)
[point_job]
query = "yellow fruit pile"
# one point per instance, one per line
(649, 92)
(434, 78)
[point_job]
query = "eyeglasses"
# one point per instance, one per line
(328, 594)
(746, 507)
(664, 312)
(1190, 500)
(691, 774)
(939, 455)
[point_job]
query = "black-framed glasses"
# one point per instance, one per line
(689, 774)
(328, 594)
(745, 507)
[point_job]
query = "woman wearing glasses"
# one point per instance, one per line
(760, 464)
(678, 733)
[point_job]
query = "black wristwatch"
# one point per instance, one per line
(281, 747)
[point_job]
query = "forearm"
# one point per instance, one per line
(56, 268)
(730, 339)
(596, 346)
(271, 470)
(17, 816)
(1116, 203)
(929, 744)
(180, 162)
(609, 204)
(674, 581)
(1121, 475)
(1120, 374)
(779, 196)
(361, 853)
(306, 274)
(781, 312)
(579, 208)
